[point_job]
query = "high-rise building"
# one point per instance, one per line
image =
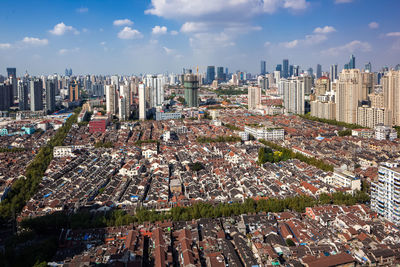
(155, 84)
(291, 70)
(254, 97)
(191, 84)
(293, 95)
(22, 95)
(124, 106)
(5, 96)
(391, 94)
(352, 62)
(50, 96)
(220, 74)
(322, 85)
(263, 67)
(324, 107)
(142, 101)
(370, 116)
(319, 71)
(348, 95)
(368, 67)
(111, 99)
(12, 72)
(333, 74)
(12, 76)
(36, 95)
(368, 84)
(285, 68)
(210, 74)
(385, 192)
(296, 70)
(70, 72)
(66, 72)
(73, 91)
(279, 68)
(310, 71)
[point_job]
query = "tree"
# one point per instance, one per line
(290, 242)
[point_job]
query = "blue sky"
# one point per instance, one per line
(154, 36)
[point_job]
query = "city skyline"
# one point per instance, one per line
(157, 36)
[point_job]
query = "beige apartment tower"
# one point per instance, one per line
(391, 93)
(254, 97)
(348, 95)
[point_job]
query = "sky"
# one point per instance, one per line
(157, 36)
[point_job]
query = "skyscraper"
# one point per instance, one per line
(293, 95)
(50, 96)
(348, 95)
(368, 67)
(254, 97)
(291, 70)
(263, 67)
(73, 91)
(279, 68)
(155, 84)
(310, 71)
(333, 74)
(322, 85)
(319, 71)
(5, 96)
(220, 74)
(142, 101)
(111, 99)
(12, 72)
(36, 95)
(391, 94)
(352, 62)
(210, 74)
(12, 76)
(285, 68)
(296, 70)
(191, 83)
(22, 95)
(124, 106)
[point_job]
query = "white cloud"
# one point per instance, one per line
(343, 1)
(65, 51)
(159, 30)
(295, 4)
(189, 27)
(373, 25)
(319, 35)
(266, 44)
(122, 22)
(129, 33)
(103, 43)
(211, 41)
(174, 32)
(35, 41)
(326, 29)
(291, 44)
(179, 9)
(393, 34)
(350, 47)
(168, 50)
(82, 10)
(61, 29)
(5, 45)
